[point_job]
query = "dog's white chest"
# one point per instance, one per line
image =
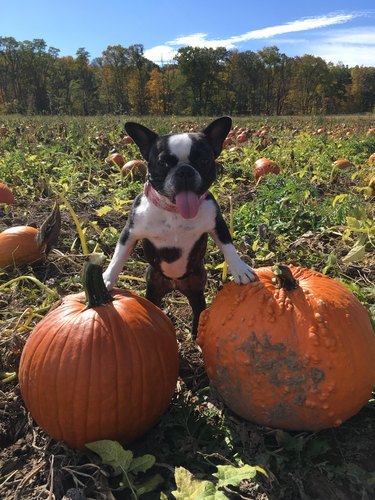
(168, 230)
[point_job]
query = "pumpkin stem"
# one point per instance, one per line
(93, 283)
(284, 278)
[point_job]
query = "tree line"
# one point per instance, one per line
(35, 79)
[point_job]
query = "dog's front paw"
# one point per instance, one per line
(242, 273)
(108, 280)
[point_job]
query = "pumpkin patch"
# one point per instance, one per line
(116, 358)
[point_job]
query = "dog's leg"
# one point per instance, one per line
(157, 286)
(123, 249)
(242, 273)
(197, 302)
(193, 288)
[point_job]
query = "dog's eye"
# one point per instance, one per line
(167, 161)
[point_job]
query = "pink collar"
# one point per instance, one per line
(161, 201)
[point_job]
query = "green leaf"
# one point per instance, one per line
(103, 210)
(113, 454)
(338, 199)
(141, 464)
(150, 485)
(353, 223)
(357, 253)
(190, 488)
(228, 474)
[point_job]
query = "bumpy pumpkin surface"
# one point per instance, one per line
(104, 372)
(299, 357)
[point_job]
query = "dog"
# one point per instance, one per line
(175, 214)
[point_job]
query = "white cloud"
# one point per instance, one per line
(160, 53)
(325, 49)
(305, 24)
(352, 47)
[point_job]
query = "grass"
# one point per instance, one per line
(312, 214)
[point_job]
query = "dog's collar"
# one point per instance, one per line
(161, 201)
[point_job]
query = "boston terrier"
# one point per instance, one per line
(175, 213)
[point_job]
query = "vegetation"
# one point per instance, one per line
(312, 213)
(35, 79)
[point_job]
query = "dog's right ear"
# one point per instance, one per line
(142, 136)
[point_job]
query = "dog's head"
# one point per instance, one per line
(181, 166)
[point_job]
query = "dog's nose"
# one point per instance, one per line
(185, 171)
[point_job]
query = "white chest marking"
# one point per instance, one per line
(166, 230)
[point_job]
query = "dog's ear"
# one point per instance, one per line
(142, 136)
(216, 133)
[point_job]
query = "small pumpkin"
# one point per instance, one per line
(294, 349)
(342, 164)
(264, 166)
(371, 159)
(20, 245)
(135, 167)
(116, 159)
(6, 195)
(100, 365)
(127, 139)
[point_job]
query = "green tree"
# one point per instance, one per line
(202, 69)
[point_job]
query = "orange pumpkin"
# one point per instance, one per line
(342, 164)
(371, 159)
(264, 166)
(242, 137)
(22, 245)
(135, 166)
(292, 350)
(105, 370)
(19, 245)
(6, 195)
(127, 139)
(116, 159)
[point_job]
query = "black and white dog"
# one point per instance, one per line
(175, 213)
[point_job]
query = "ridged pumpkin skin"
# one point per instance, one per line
(301, 359)
(18, 246)
(108, 372)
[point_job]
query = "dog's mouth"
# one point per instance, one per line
(188, 203)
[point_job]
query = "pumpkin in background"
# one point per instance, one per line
(20, 245)
(105, 370)
(6, 195)
(342, 164)
(116, 159)
(136, 167)
(264, 166)
(292, 350)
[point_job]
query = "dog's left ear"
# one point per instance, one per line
(142, 136)
(216, 133)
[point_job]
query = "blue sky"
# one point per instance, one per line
(337, 31)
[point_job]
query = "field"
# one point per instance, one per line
(313, 214)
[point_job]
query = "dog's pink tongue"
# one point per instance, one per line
(187, 204)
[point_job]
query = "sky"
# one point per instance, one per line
(338, 31)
